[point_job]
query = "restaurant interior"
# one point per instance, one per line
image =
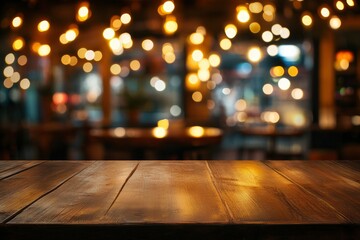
(190, 79)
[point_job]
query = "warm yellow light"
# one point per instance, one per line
(8, 83)
(268, 89)
(269, 9)
(276, 29)
(277, 71)
(98, 56)
(89, 55)
(204, 63)
(167, 47)
(18, 44)
(147, 44)
(128, 45)
(22, 60)
(10, 58)
(163, 123)
(70, 35)
(81, 53)
(108, 33)
(203, 74)
(192, 81)
(269, 13)
(16, 22)
(293, 71)
(243, 15)
(297, 93)
(214, 60)
(125, 18)
(255, 7)
(240, 105)
(254, 27)
(115, 44)
(125, 38)
(340, 5)
(87, 67)
(355, 120)
(73, 60)
(168, 7)
(196, 38)
(44, 50)
(35, 47)
(8, 71)
(43, 26)
(170, 25)
(115, 69)
(270, 117)
(201, 30)
(196, 131)
(254, 54)
(225, 44)
(63, 39)
(25, 83)
(284, 84)
(306, 20)
(135, 65)
(335, 22)
(119, 132)
(197, 96)
(285, 33)
(115, 22)
(159, 132)
(268, 17)
(230, 31)
(272, 50)
(161, 11)
(344, 64)
(267, 36)
(83, 11)
(351, 3)
(324, 12)
(169, 57)
(65, 59)
(197, 55)
(15, 77)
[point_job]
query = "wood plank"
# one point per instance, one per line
(169, 192)
(352, 164)
(256, 194)
(8, 168)
(83, 199)
(20, 190)
(338, 186)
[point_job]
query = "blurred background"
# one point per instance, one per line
(105, 79)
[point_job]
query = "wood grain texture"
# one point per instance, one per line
(256, 194)
(20, 190)
(169, 192)
(336, 184)
(8, 168)
(83, 199)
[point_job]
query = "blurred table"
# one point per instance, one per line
(272, 134)
(53, 140)
(165, 143)
(180, 199)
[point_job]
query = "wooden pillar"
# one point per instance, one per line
(327, 114)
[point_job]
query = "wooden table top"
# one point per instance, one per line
(180, 199)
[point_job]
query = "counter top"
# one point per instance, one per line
(180, 199)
